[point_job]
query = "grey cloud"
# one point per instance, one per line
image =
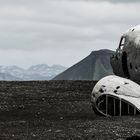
(121, 1)
(112, 1)
(42, 30)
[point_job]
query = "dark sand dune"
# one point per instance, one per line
(57, 110)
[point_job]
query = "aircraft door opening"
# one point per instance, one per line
(125, 65)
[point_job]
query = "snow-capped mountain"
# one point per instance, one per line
(46, 70)
(35, 72)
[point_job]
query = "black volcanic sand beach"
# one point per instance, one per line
(43, 110)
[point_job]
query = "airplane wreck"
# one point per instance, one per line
(126, 60)
(117, 95)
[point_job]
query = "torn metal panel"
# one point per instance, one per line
(116, 96)
(126, 60)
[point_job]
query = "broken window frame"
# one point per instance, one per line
(122, 43)
(120, 106)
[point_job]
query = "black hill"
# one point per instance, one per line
(93, 67)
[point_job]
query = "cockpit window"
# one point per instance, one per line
(122, 42)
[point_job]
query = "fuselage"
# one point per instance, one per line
(126, 60)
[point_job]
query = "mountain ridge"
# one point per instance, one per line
(34, 72)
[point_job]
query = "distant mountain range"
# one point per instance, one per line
(36, 72)
(93, 67)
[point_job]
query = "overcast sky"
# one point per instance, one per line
(61, 31)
